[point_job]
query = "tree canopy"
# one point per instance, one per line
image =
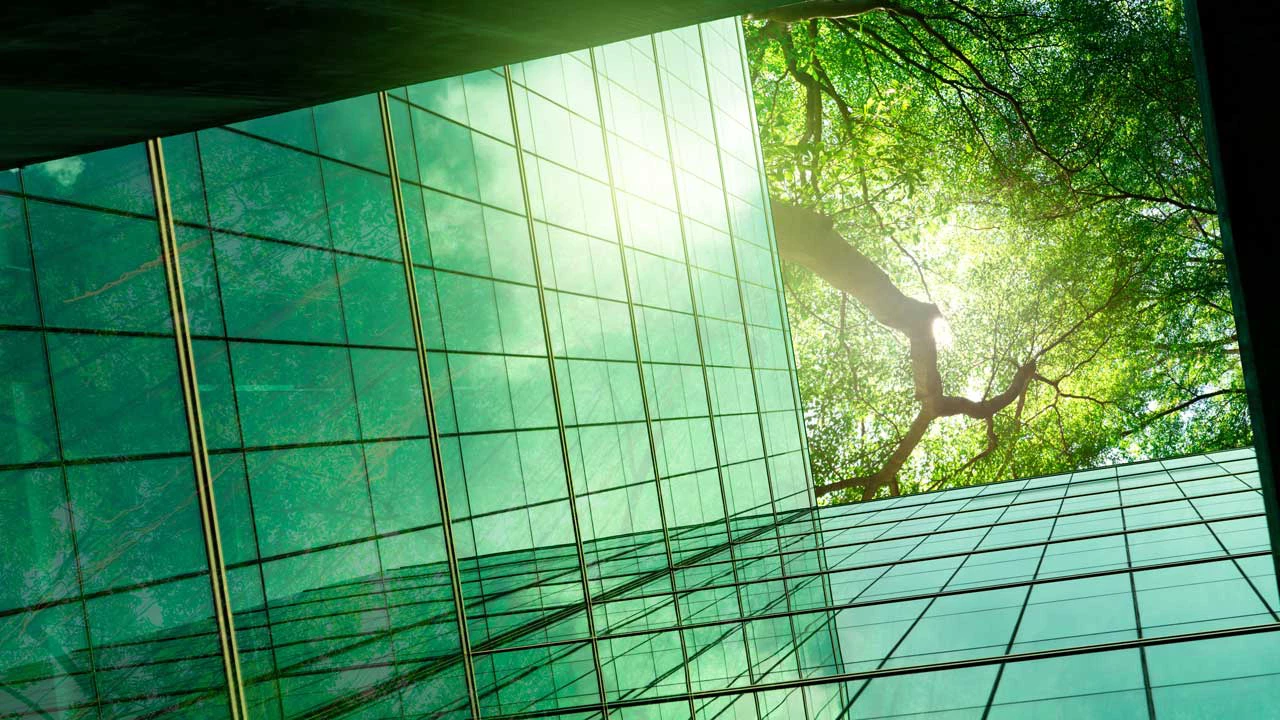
(1001, 251)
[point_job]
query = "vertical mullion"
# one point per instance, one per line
(1133, 592)
(702, 361)
(555, 392)
(1026, 600)
(737, 271)
(777, 265)
(451, 558)
(235, 400)
(57, 437)
(644, 395)
(413, 150)
(746, 328)
(195, 428)
(1225, 550)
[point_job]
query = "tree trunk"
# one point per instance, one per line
(810, 239)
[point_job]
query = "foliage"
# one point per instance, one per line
(1036, 170)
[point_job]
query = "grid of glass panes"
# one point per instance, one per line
(314, 411)
(300, 323)
(605, 209)
(106, 607)
(759, 283)
(1060, 566)
(495, 409)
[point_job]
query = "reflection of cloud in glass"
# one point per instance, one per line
(65, 171)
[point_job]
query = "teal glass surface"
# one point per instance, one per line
(107, 606)
(315, 414)
(586, 352)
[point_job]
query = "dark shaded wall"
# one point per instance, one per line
(71, 83)
(1235, 45)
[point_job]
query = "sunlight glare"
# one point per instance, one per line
(942, 332)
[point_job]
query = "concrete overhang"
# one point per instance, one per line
(83, 80)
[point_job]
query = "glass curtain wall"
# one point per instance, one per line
(490, 381)
(106, 601)
(545, 294)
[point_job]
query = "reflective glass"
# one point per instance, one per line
(602, 391)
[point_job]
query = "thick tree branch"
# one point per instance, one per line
(809, 238)
(970, 61)
(887, 475)
(993, 441)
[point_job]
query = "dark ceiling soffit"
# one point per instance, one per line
(1233, 42)
(73, 83)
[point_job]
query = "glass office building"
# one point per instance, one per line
(476, 398)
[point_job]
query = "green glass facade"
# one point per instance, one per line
(572, 254)
(489, 380)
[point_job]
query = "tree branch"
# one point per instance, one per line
(993, 441)
(1179, 407)
(809, 238)
(796, 12)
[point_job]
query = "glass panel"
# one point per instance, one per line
(1091, 685)
(314, 406)
(106, 607)
(1230, 677)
